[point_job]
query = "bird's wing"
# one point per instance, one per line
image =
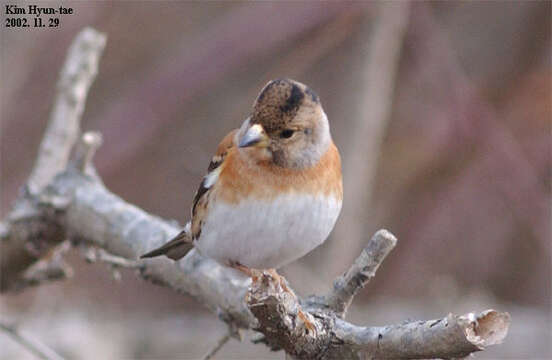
(179, 246)
(201, 198)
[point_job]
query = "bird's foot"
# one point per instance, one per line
(300, 314)
(308, 324)
(252, 273)
(281, 280)
(277, 280)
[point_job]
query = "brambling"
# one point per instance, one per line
(273, 190)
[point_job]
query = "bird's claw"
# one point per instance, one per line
(308, 324)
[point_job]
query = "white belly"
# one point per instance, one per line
(265, 235)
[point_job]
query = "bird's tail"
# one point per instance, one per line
(175, 249)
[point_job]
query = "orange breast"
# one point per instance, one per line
(240, 179)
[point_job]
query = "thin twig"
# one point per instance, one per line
(85, 149)
(78, 73)
(49, 268)
(4, 230)
(220, 343)
(94, 254)
(361, 272)
(37, 348)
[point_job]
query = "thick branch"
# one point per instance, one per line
(104, 220)
(450, 337)
(122, 229)
(334, 338)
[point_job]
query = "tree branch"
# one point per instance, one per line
(220, 343)
(334, 338)
(449, 337)
(77, 74)
(38, 349)
(51, 267)
(75, 204)
(22, 241)
(102, 219)
(94, 254)
(84, 151)
(361, 272)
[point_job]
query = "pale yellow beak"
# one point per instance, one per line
(254, 136)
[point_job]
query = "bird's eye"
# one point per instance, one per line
(286, 134)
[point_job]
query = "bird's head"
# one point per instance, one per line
(287, 126)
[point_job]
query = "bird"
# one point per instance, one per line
(273, 190)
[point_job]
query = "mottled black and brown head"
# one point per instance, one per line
(287, 124)
(279, 102)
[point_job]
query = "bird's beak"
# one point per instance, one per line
(254, 136)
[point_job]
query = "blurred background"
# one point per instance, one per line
(445, 142)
